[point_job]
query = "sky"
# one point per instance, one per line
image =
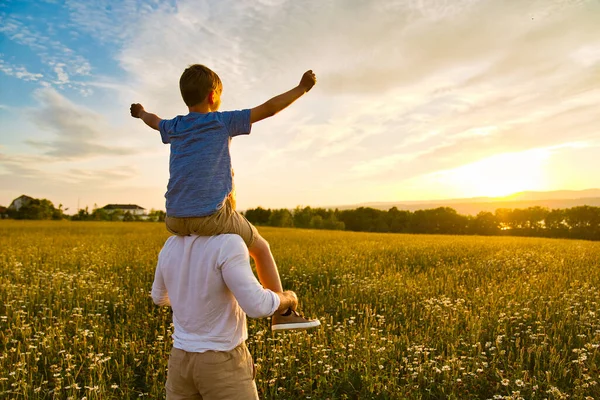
(415, 99)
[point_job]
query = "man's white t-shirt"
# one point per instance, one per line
(209, 284)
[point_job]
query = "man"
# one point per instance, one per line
(208, 282)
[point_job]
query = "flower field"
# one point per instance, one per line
(404, 316)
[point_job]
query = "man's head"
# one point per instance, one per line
(199, 83)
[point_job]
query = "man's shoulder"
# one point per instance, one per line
(194, 240)
(227, 239)
(176, 246)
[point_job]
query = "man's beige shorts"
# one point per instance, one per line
(213, 375)
(226, 220)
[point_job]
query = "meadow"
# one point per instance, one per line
(404, 316)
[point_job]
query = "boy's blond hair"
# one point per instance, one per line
(196, 82)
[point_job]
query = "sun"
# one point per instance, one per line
(498, 175)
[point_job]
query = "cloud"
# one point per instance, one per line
(53, 53)
(112, 22)
(19, 166)
(19, 72)
(78, 131)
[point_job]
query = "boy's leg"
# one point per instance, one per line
(177, 226)
(268, 275)
(267, 271)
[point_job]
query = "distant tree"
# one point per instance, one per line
(128, 217)
(556, 222)
(398, 221)
(282, 218)
(36, 209)
(584, 222)
(485, 223)
(536, 217)
(156, 216)
(316, 222)
(82, 215)
(58, 213)
(116, 215)
(302, 217)
(100, 214)
(258, 216)
(364, 219)
(332, 223)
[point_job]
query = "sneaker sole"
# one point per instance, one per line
(296, 327)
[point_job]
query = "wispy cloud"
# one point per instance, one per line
(77, 131)
(19, 71)
(53, 53)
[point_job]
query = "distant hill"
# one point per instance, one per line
(472, 206)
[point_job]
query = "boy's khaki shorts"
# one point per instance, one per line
(225, 220)
(213, 375)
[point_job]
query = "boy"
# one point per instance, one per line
(200, 197)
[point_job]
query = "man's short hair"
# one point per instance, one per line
(196, 82)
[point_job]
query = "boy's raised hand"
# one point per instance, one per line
(152, 120)
(136, 109)
(308, 80)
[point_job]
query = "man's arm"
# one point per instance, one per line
(152, 120)
(159, 294)
(282, 101)
(256, 301)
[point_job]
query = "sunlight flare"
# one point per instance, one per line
(498, 175)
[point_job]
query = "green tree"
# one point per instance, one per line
(258, 216)
(36, 209)
(82, 215)
(316, 222)
(128, 217)
(302, 217)
(485, 223)
(282, 218)
(156, 216)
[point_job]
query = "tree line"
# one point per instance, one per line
(44, 209)
(581, 222)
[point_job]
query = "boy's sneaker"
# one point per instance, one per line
(291, 320)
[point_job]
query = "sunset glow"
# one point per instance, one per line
(415, 100)
(499, 175)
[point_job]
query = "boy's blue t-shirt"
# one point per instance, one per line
(200, 164)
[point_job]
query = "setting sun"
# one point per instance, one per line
(499, 175)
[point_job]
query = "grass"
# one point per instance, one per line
(404, 316)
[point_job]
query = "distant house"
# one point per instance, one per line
(133, 209)
(19, 202)
(3, 212)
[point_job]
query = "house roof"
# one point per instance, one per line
(123, 207)
(24, 198)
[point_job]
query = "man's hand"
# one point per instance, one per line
(308, 80)
(136, 110)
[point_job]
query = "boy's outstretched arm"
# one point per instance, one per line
(152, 120)
(280, 102)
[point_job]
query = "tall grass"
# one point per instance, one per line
(404, 316)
